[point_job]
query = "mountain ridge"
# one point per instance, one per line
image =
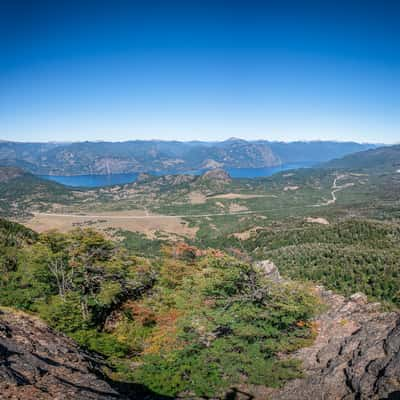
(387, 157)
(85, 158)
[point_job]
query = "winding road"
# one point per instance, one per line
(335, 189)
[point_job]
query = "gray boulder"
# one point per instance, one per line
(269, 269)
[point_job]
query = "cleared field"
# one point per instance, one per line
(134, 221)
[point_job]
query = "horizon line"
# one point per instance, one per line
(196, 140)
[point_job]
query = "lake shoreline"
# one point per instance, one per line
(94, 181)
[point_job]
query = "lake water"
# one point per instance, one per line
(92, 180)
(117, 179)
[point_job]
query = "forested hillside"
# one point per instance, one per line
(188, 321)
(348, 256)
(22, 193)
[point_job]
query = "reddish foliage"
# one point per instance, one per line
(141, 313)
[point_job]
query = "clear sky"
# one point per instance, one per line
(278, 70)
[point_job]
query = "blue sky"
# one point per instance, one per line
(277, 70)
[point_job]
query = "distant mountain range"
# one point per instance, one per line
(83, 158)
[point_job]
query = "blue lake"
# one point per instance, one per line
(262, 172)
(117, 179)
(92, 180)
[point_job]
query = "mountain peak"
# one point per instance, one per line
(234, 139)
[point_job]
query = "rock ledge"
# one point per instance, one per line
(37, 363)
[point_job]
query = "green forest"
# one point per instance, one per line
(347, 256)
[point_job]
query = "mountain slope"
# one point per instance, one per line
(22, 192)
(356, 354)
(346, 256)
(315, 151)
(173, 324)
(234, 153)
(382, 158)
(191, 324)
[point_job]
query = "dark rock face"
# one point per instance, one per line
(237, 153)
(38, 364)
(356, 355)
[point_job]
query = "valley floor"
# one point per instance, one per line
(133, 220)
(199, 210)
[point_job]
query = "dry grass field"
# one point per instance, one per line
(134, 221)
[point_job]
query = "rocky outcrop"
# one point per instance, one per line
(356, 354)
(143, 177)
(154, 182)
(217, 175)
(210, 164)
(269, 269)
(213, 181)
(38, 364)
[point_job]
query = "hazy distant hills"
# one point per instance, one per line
(316, 151)
(137, 156)
(387, 158)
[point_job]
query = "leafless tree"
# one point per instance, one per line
(59, 268)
